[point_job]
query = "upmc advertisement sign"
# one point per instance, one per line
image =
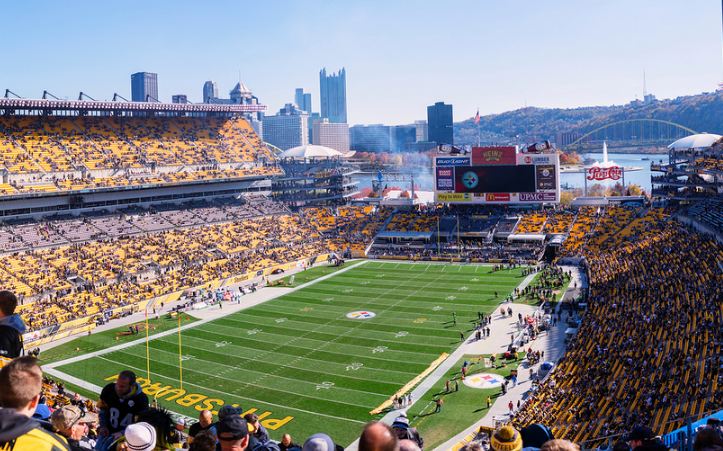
(504, 177)
(482, 156)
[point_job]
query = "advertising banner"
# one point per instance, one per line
(498, 197)
(545, 175)
(612, 173)
(452, 161)
(454, 197)
(445, 178)
(537, 197)
(494, 155)
(533, 158)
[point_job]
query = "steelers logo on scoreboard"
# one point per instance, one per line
(483, 380)
(470, 179)
(546, 172)
(361, 314)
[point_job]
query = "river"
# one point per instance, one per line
(423, 175)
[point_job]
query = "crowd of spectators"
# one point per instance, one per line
(649, 345)
(44, 154)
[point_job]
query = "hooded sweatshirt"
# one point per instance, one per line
(18, 432)
(11, 330)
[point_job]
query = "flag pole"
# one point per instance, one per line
(180, 353)
(148, 351)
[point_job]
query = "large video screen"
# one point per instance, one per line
(497, 175)
(494, 179)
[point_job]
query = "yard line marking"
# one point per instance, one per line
(187, 326)
(290, 367)
(241, 369)
(83, 384)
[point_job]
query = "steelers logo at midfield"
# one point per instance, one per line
(361, 314)
(470, 179)
(483, 380)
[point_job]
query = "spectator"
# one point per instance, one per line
(287, 443)
(163, 424)
(642, 438)
(204, 424)
(233, 433)
(321, 442)
(203, 441)
(70, 422)
(408, 445)
(21, 381)
(11, 328)
(403, 431)
(708, 439)
(119, 402)
(376, 436)
(535, 435)
(259, 432)
(139, 436)
(506, 438)
(559, 445)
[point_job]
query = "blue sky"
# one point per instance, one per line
(400, 56)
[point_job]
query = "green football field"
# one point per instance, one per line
(299, 362)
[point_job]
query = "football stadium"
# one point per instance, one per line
(168, 248)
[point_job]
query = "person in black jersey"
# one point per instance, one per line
(119, 402)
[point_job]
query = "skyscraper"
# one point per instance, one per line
(333, 95)
(289, 128)
(302, 100)
(335, 136)
(439, 123)
(179, 98)
(144, 87)
(210, 91)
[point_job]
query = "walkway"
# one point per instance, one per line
(551, 342)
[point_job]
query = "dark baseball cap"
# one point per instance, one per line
(228, 410)
(640, 433)
(232, 427)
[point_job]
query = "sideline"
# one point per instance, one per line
(52, 366)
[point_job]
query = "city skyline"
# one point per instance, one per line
(499, 57)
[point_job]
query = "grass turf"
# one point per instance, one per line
(102, 340)
(301, 359)
(461, 408)
(310, 274)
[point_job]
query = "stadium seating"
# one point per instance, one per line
(646, 352)
(45, 154)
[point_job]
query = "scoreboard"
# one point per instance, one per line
(494, 175)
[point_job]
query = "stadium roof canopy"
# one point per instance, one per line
(48, 105)
(699, 141)
(310, 151)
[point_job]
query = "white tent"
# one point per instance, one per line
(699, 141)
(312, 151)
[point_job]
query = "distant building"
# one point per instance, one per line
(440, 123)
(179, 98)
(421, 131)
(333, 135)
(382, 138)
(403, 136)
(302, 100)
(371, 138)
(333, 95)
(289, 128)
(649, 98)
(144, 87)
(313, 117)
(210, 91)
